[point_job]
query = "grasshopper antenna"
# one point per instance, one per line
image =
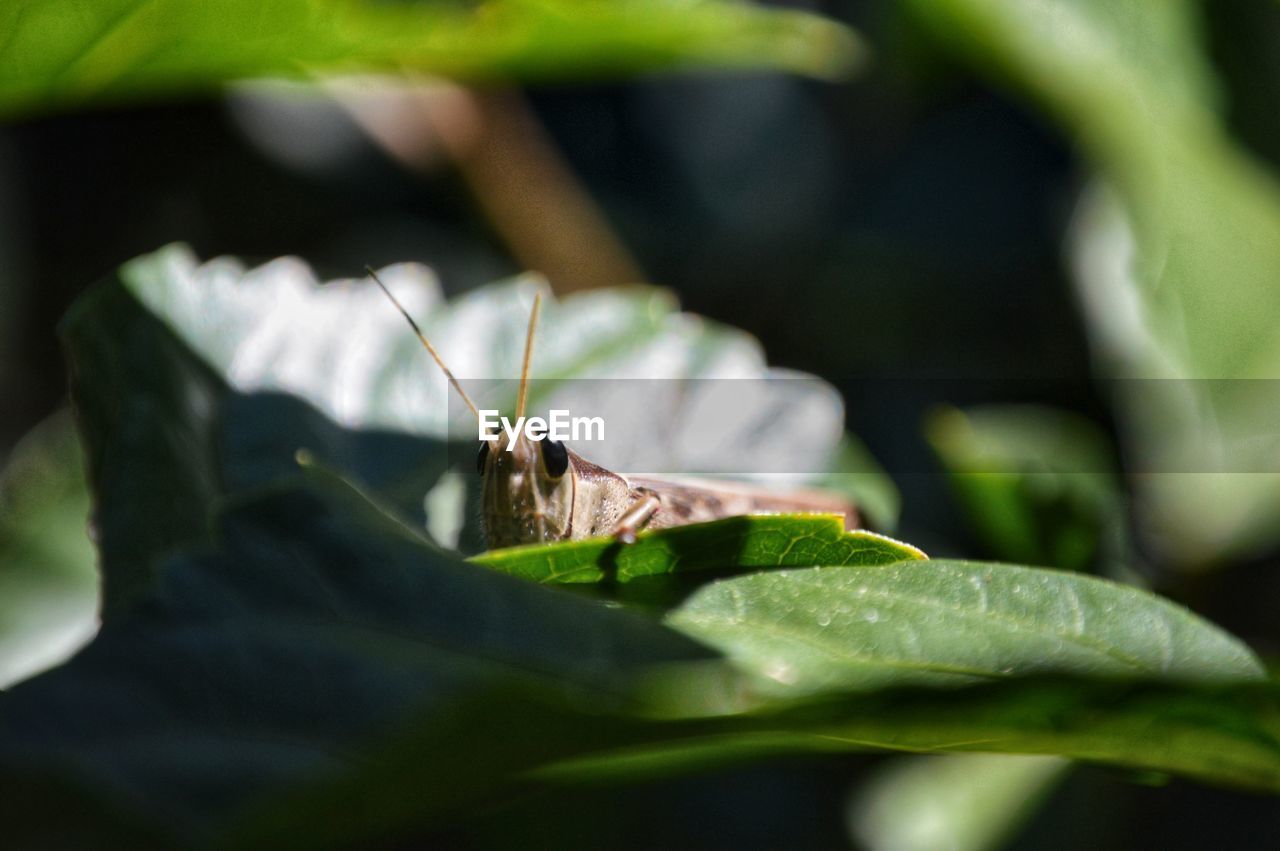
(523, 396)
(427, 343)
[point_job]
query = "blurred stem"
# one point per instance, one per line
(536, 204)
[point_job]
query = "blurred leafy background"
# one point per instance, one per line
(980, 220)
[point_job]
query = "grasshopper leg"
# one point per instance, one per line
(640, 512)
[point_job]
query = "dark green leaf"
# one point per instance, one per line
(148, 413)
(59, 52)
(1227, 735)
(314, 624)
(759, 541)
(166, 438)
(797, 631)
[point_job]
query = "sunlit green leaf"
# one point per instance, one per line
(59, 52)
(732, 543)
(943, 622)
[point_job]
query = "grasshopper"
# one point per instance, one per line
(541, 492)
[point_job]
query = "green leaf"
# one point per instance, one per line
(289, 659)
(211, 422)
(1228, 735)
(148, 409)
(48, 580)
(342, 348)
(313, 623)
(760, 541)
(263, 622)
(940, 622)
(1178, 270)
(1037, 484)
(1202, 450)
(165, 438)
(61, 52)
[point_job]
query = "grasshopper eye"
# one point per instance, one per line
(484, 453)
(555, 458)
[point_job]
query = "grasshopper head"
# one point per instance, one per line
(528, 491)
(529, 484)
